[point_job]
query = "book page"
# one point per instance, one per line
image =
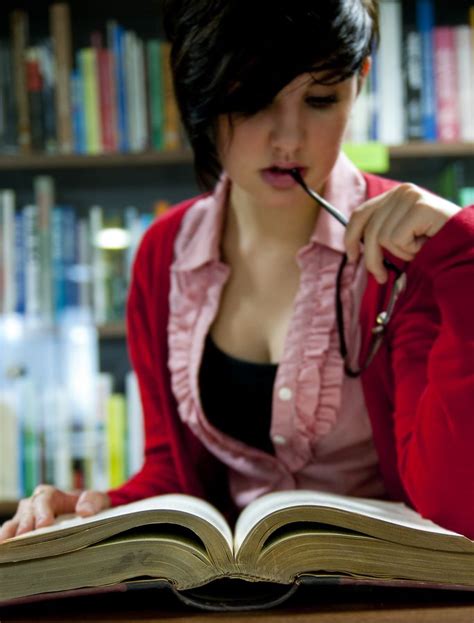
(67, 524)
(395, 513)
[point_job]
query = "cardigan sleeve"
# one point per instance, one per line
(157, 475)
(432, 342)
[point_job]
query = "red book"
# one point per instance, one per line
(106, 94)
(445, 62)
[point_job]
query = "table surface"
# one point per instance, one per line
(328, 605)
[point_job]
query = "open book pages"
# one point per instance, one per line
(346, 512)
(72, 532)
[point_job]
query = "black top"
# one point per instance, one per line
(236, 396)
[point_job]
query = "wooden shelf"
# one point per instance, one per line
(75, 161)
(150, 158)
(431, 150)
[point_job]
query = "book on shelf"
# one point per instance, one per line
(19, 38)
(60, 26)
(282, 539)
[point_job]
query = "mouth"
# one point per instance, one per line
(280, 177)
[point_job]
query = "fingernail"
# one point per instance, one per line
(85, 507)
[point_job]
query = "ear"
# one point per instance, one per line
(363, 73)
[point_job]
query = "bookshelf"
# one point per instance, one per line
(117, 180)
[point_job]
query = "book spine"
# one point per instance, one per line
(156, 91)
(34, 86)
(143, 130)
(44, 192)
(46, 58)
(130, 88)
(84, 263)
(135, 437)
(390, 78)
(446, 84)
(20, 285)
(425, 24)
(88, 66)
(107, 115)
(32, 262)
(58, 265)
(413, 85)
(8, 132)
(116, 435)
(116, 36)
(78, 114)
(69, 254)
(97, 266)
(60, 26)
(7, 252)
(171, 130)
(465, 71)
(19, 30)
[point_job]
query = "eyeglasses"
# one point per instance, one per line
(383, 318)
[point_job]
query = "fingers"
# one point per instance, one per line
(92, 502)
(39, 511)
(400, 221)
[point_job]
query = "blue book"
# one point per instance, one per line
(116, 36)
(78, 113)
(69, 254)
(57, 260)
(425, 22)
(19, 264)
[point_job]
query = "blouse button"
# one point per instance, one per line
(285, 394)
(279, 440)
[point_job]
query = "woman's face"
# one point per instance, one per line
(303, 127)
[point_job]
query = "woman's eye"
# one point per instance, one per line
(321, 102)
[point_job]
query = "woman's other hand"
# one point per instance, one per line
(400, 221)
(46, 504)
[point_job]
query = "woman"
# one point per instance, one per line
(248, 376)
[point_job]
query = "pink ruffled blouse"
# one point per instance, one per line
(320, 427)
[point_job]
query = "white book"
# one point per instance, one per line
(391, 122)
(32, 262)
(136, 436)
(465, 65)
(7, 252)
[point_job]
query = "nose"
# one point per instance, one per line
(287, 130)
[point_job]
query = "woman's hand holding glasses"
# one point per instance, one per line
(400, 221)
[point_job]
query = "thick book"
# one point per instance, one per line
(280, 540)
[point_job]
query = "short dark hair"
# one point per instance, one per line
(234, 56)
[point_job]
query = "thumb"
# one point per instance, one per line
(91, 502)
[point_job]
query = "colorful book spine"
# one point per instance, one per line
(60, 25)
(464, 36)
(116, 436)
(447, 111)
(48, 73)
(390, 78)
(116, 35)
(19, 34)
(32, 262)
(8, 294)
(78, 113)
(87, 62)
(413, 85)
(103, 57)
(20, 286)
(44, 193)
(34, 86)
(155, 90)
(171, 129)
(425, 24)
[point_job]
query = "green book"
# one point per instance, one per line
(155, 90)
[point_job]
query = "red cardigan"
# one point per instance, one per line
(419, 389)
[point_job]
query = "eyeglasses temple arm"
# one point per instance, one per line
(296, 175)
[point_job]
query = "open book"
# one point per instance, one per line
(283, 538)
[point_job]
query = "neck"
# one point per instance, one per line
(252, 226)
